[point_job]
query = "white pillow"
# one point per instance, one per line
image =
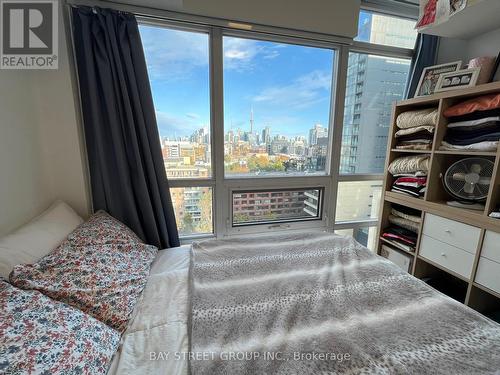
(37, 238)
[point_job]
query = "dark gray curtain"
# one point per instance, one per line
(426, 49)
(128, 178)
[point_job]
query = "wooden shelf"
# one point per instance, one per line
(436, 196)
(458, 276)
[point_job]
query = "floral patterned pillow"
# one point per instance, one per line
(103, 277)
(102, 228)
(42, 336)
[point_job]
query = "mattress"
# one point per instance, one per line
(156, 340)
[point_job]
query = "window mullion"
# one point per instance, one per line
(337, 129)
(220, 206)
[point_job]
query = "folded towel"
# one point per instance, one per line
(414, 146)
(416, 192)
(475, 115)
(480, 103)
(476, 130)
(419, 117)
(466, 124)
(404, 223)
(461, 141)
(413, 215)
(409, 164)
(423, 134)
(481, 146)
(417, 129)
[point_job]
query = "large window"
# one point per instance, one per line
(276, 108)
(386, 30)
(270, 206)
(178, 67)
(248, 122)
(375, 80)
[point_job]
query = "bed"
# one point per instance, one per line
(341, 309)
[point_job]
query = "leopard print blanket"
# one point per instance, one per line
(318, 303)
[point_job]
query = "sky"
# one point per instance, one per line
(287, 86)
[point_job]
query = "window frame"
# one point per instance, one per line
(373, 49)
(222, 186)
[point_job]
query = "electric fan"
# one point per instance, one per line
(468, 180)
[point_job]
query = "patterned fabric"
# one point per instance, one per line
(299, 294)
(102, 275)
(415, 146)
(42, 336)
(102, 228)
(419, 117)
(417, 129)
(409, 164)
(481, 103)
(405, 223)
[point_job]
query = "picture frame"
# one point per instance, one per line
(430, 76)
(458, 80)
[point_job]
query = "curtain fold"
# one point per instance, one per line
(426, 49)
(127, 173)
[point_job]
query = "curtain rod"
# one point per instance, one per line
(163, 14)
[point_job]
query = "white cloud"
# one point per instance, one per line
(239, 53)
(172, 125)
(193, 116)
(301, 93)
(172, 54)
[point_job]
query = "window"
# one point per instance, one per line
(373, 83)
(366, 236)
(358, 200)
(193, 210)
(178, 68)
(276, 108)
(266, 158)
(262, 207)
(386, 30)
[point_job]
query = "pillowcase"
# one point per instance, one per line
(102, 228)
(481, 103)
(419, 117)
(102, 275)
(42, 336)
(37, 238)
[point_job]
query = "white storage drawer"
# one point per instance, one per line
(488, 274)
(491, 246)
(463, 236)
(448, 256)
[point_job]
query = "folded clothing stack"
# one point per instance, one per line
(405, 224)
(416, 129)
(473, 125)
(410, 173)
(495, 213)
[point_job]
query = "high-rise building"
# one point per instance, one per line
(266, 135)
(373, 84)
(318, 131)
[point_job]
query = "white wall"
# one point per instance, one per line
(40, 149)
(335, 17)
(487, 44)
(24, 187)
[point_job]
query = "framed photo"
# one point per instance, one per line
(458, 80)
(430, 76)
